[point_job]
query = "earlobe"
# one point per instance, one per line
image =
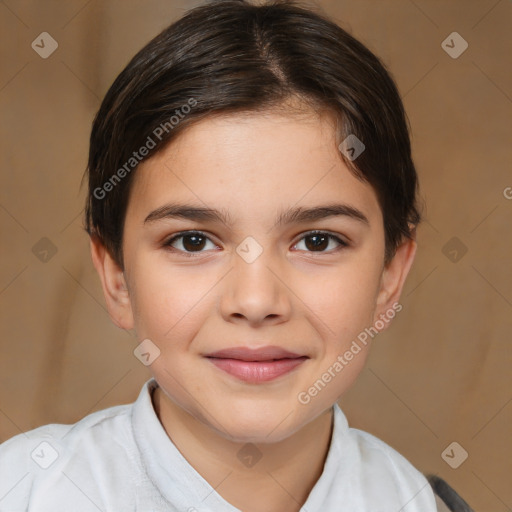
(114, 285)
(394, 275)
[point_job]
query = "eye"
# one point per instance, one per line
(318, 241)
(190, 242)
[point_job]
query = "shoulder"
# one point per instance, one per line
(381, 473)
(99, 423)
(45, 457)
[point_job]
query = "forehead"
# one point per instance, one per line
(251, 165)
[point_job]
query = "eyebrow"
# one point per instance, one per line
(290, 216)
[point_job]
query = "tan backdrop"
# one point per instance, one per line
(440, 375)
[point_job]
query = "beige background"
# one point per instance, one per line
(440, 374)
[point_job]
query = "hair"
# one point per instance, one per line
(230, 57)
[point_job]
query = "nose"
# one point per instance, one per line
(256, 292)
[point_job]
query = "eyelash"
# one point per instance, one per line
(192, 254)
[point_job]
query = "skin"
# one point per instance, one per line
(310, 301)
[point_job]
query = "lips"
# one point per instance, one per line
(256, 365)
(267, 353)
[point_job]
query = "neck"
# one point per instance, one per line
(259, 477)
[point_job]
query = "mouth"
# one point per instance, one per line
(256, 365)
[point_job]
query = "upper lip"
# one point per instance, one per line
(267, 353)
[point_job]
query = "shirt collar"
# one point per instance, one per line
(179, 483)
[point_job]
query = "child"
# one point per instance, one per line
(252, 217)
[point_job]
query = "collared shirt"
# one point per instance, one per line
(121, 459)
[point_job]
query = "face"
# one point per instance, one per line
(280, 286)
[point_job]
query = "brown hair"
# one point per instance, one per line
(232, 56)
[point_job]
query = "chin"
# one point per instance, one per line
(255, 425)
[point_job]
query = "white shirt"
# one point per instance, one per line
(121, 459)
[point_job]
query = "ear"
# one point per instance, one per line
(393, 278)
(114, 285)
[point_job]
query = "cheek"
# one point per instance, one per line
(344, 301)
(167, 299)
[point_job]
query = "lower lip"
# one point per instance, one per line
(257, 371)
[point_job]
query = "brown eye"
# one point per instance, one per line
(320, 241)
(317, 242)
(193, 242)
(190, 242)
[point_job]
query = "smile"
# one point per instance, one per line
(256, 365)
